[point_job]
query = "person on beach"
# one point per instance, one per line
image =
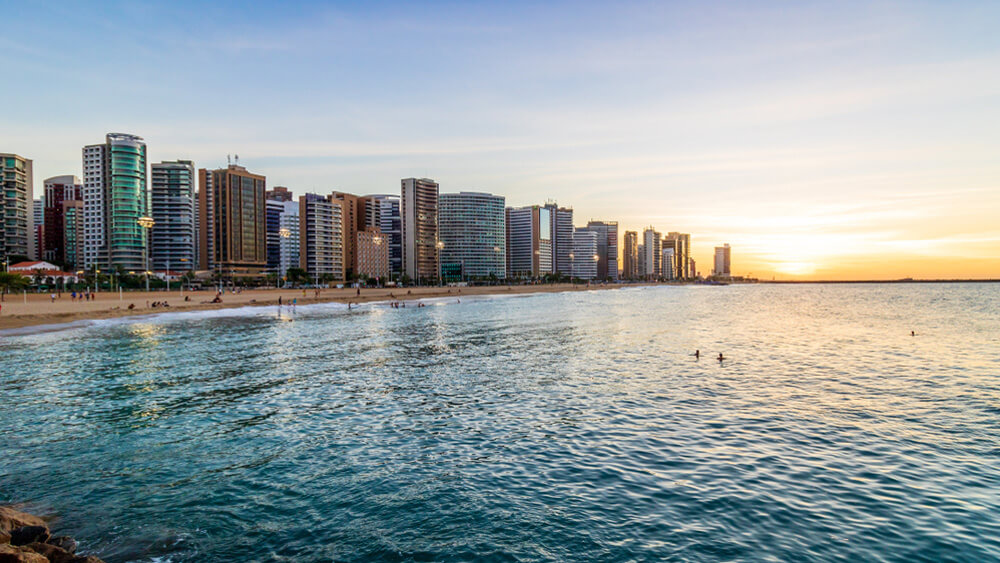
(53, 297)
(279, 301)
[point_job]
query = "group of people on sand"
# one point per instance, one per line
(82, 296)
(160, 304)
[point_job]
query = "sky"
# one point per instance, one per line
(832, 140)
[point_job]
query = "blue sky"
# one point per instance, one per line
(821, 140)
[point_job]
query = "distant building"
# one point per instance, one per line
(652, 259)
(607, 248)
(585, 257)
(17, 232)
(722, 261)
(681, 243)
(382, 211)
(279, 193)
(58, 190)
(282, 235)
(354, 220)
(321, 237)
(232, 213)
(667, 263)
(114, 198)
(419, 213)
(473, 232)
(173, 241)
(372, 254)
(561, 237)
(630, 255)
(529, 241)
(38, 226)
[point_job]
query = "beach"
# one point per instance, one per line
(35, 309)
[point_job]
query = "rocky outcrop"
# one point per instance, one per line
(25, 538)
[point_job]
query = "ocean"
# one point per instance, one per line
(550, 427)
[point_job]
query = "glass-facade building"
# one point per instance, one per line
(173, 209)
(114, 198)
(473, 233)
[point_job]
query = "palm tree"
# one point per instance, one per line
(10, 281)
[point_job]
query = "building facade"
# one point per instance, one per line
(173, 195)
(474, 234)
(652, 259)
(681, 243)
(561, 237)
(382, 211)
(419, 214)
(321, 242)
(607, 248)
(722, 261)
(529, 241)
(58, 189)
(584, 257)
(630, 255)
(372, 254)
(667, 262)
(17, 233)
(114, 198)
(232, 214)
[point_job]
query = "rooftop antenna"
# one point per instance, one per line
(237, 160)
(228, 160)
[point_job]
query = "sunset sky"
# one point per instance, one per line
(822, 141)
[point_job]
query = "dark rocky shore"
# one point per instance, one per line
(25, 538)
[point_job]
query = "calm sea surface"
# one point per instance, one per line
(561, 427)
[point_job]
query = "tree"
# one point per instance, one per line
(296, 275)
(10, 281)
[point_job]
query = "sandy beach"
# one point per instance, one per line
(19, 311)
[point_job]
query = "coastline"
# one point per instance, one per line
(19, 311)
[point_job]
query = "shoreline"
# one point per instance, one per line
(40, 310)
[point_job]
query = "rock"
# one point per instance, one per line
(4, 537)
(28, 534)
(10, 519)
(15, 554)
(87, 559)
(65, 542)
(53, 553)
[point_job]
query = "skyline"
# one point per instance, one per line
(820, 142)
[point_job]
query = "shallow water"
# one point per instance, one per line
(555, 427)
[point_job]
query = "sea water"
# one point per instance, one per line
(558, 427)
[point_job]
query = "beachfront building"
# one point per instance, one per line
(173, 194)
(38, 226)
(321, 242)
(667, 263)
(473, 235)
(61, 192)
(529, 241)
(722, 263)
(562, 237)
(419, 213)
(652, 260)
(232, 217)
(17, 233)
(584, 258)
(279, 193)
(372, 254)
(382, 211)
(114, 198)
(630, 255)
(607, 248)
(282, 235)
(681, 243)
(353, 221)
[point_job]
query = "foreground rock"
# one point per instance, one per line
(25, 538)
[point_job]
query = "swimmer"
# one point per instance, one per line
(697, 354)
(912, 333)
(721, 357)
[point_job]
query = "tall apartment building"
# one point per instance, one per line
(529, 241)
(17, 233)
(173, 195)
(667, 263)
(232, 216)
(722, 264)
(474, 233)
(372, 254)
(681, 243)
(72, 232)
(321, 237)
(114, 198)
(651, 241)
(38, 224)
(382, 211)
(282, 235)
(354, 220)
(584, 258)
(562, 237)
(419, 213)
(630, 255)
(607, 248)
(58, 190)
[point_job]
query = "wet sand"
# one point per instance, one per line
(19, 311)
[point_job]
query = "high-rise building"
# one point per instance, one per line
(173, 241)
(279, 193)
(693, 272)
(321, 237)
(473, 233)
(353, 221)
(233, 221)
(607, 248)
(372, 254)
(382, 211)
(630, 255)
(17, 233)
(667, 263)
(114, 198)
(562, 237)
(72, 243)
(419, 212)
(529, 241)
(38, 224)
(584, 258)
(681, 243)
(289, 228)
(722, 264)
(58, 189)
(652, 261)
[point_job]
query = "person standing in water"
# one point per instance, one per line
(721, 357)
(697, 354)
